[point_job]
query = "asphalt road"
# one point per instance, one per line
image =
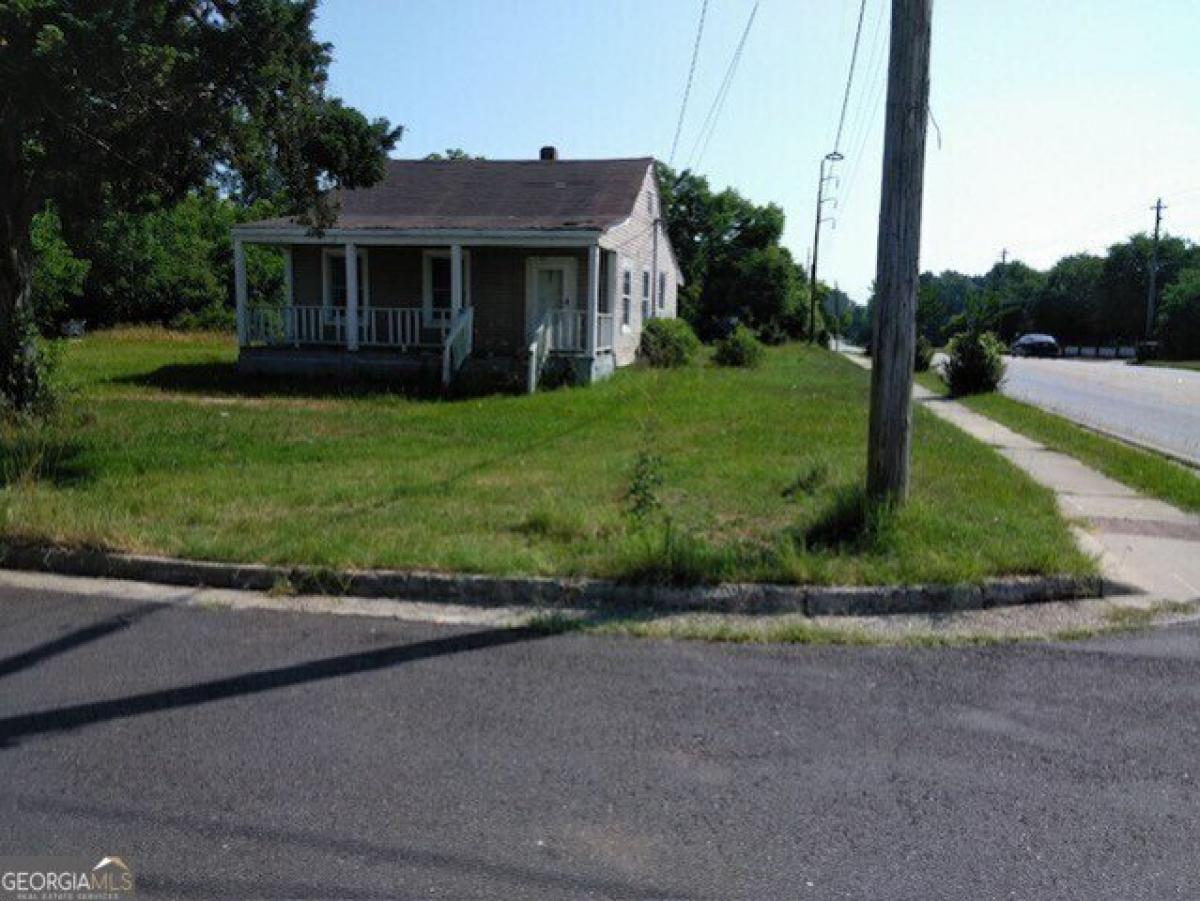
(1151, 405)
(259, 754)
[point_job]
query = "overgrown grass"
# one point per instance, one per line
(759, 476)
(1144, 470)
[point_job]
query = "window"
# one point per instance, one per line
(333, 281)
(626, 297)
(436, 285)
(662, 290)
(645, 294)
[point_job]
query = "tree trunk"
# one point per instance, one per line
(20, 374)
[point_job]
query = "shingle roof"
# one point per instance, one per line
(493, 194)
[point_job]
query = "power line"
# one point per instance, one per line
(837, 141)
(835, 156)
(872, 94)
(687, 91)
(872, 71)
(832, 158)
(722, 93)
(714, 111)
(1107, 225)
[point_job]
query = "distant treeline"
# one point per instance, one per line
(172, 266)
(1081, 299)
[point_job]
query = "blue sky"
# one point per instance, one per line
(1061, 120)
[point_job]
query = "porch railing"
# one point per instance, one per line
(539, 350)
(568, 330)
(458, 344)
(400, 327)
(394, 327)
(604, 331)
(296, 325)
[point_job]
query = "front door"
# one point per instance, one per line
(552, 295)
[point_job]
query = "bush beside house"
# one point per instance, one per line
(739, 348)
(667, 343)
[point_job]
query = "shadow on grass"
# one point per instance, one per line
(665, 554)
(224, 379)
(38, 452)
(848, 525)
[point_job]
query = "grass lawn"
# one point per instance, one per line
(168, 451)
(1174, 364)
(1148, 472)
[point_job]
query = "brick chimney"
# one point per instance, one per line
(549, 152)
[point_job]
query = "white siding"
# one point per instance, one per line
(633, 242)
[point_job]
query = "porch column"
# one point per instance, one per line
(351, 297)
(288, 293)
(291, 324)
(593, 299)
(456, 281)
(239, 290)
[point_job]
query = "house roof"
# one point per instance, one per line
(492, 194)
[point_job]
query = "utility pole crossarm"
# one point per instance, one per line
(832, 157)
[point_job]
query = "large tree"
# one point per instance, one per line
(1179, 316)
(1125, 281)
(129, 104)
(1069, 304)
(1016, 287)
(733, 264)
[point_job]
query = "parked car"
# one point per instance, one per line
(1035, 346)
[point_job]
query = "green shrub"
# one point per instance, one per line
(667, 343)
(212, 318)
(739, 348)
(922, 354)
(976, 364)
(644, 484)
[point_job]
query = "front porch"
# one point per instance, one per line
(426, 306)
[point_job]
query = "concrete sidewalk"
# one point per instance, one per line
(1147, 548)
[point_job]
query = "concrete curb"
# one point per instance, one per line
(500, 591)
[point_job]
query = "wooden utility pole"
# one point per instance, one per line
(1150, 295)
(898, 252)
(833, 157)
